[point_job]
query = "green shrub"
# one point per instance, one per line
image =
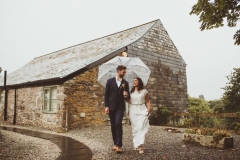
(229, 123)
(211, 122)
(236, 126)
(160, 117)
(208, 131)
(207, 122)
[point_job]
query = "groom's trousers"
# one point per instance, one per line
(116, 117)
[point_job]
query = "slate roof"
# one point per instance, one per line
(62, 63)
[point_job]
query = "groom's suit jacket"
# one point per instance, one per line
(113, 96)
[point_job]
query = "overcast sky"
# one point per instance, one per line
(30, 29)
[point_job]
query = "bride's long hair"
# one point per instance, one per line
(140, 85)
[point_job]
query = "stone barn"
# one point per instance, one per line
(59, 91)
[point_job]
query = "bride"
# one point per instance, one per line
(138, 113)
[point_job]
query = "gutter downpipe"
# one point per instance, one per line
(67, 110)
(15, 107)
(6, 95)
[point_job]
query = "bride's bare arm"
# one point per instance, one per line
(128, 101)
(148, 102)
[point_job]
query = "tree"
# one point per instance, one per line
(0, 69)
(231, 96)
(196, 105)
(216, 105)
(201, 97)
(211, 14)
(199, 105)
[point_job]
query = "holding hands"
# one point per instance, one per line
(107, 110)
(125, 94)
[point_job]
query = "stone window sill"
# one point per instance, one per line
(49, 112)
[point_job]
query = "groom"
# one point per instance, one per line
(117, 89)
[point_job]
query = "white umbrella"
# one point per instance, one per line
(135, 68)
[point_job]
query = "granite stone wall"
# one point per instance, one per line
(168, 82)
(29, 102)
(85, 100)
(2, 105)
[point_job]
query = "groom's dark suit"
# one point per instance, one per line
(114, 99)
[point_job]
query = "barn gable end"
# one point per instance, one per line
(168, 82)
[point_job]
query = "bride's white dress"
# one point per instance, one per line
(139, 117)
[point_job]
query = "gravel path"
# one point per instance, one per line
(15, 146)
(159, 144)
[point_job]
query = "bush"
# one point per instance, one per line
(236, 126)
(211, 122)
(207, 122)
(161, 116)
(199, 105)
(209, 132)
(229, 123)
(196, 105)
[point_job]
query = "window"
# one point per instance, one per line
(50, 99)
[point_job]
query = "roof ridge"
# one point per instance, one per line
(146, 31)
(99, 38)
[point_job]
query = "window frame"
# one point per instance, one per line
(1, 96)
(46, 109)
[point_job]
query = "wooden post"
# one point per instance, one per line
(15, 107)
(67, 117)
(6, 95)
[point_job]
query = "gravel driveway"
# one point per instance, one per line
(15, 146)
(159, 144)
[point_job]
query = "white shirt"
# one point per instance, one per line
(118, 81)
